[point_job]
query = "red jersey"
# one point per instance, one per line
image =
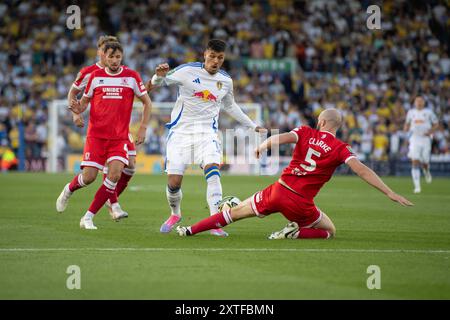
(83, 76)
(112, 97)
(316, 156)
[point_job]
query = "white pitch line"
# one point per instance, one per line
(230, 249)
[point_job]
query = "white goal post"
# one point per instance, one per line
(59, 114)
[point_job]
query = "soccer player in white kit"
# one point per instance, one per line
(192, 139)
(420, 123)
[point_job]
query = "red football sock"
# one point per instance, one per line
(113, 197)
(215, 221)
(105, 192)
(76, 183)
(310, 233)
(126, 176)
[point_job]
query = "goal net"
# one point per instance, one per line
(66, 141)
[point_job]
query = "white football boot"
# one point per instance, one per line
(287, 232)
(427, 174)
(88, 224)
(115, 211)
(63, 199)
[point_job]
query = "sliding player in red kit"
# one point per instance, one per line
(111, 93)
(316, 156)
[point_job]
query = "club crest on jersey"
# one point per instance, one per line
(101, 81)
(219, 85)
(205, 95)
(124, 81)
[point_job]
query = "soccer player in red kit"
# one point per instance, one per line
(316, 156)
(88, 176)
(111, 93)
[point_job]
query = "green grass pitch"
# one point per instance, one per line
(132, 260)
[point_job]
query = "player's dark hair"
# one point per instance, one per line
(114, 46)
(104, 39)
(216, 45)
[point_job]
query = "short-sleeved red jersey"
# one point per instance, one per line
(83, 76)
(112, 97)
(316, 156)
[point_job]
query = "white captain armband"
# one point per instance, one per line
(156, 80)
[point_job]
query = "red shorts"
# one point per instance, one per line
(98, 152)
(131, 146)
(277, 198)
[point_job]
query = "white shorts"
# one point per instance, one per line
(185, 149)
(420, 149)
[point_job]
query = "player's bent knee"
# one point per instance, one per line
(131, 162)
(114, 176)
(332, 233)
(88, 179)
(174, 182)
(89, 176)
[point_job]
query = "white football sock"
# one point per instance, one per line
(213, 193)
(174, 199)
(89, 215)
(415, 173)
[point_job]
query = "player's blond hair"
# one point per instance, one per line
(104, 39)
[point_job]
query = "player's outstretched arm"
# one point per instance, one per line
(277, 139)
(146, 113)
(236, 112)
(374, 180)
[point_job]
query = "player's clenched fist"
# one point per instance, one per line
(162, 69)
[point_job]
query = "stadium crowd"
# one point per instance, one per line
(371, 75)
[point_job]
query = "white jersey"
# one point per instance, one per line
(420, 122)
(200, 95)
